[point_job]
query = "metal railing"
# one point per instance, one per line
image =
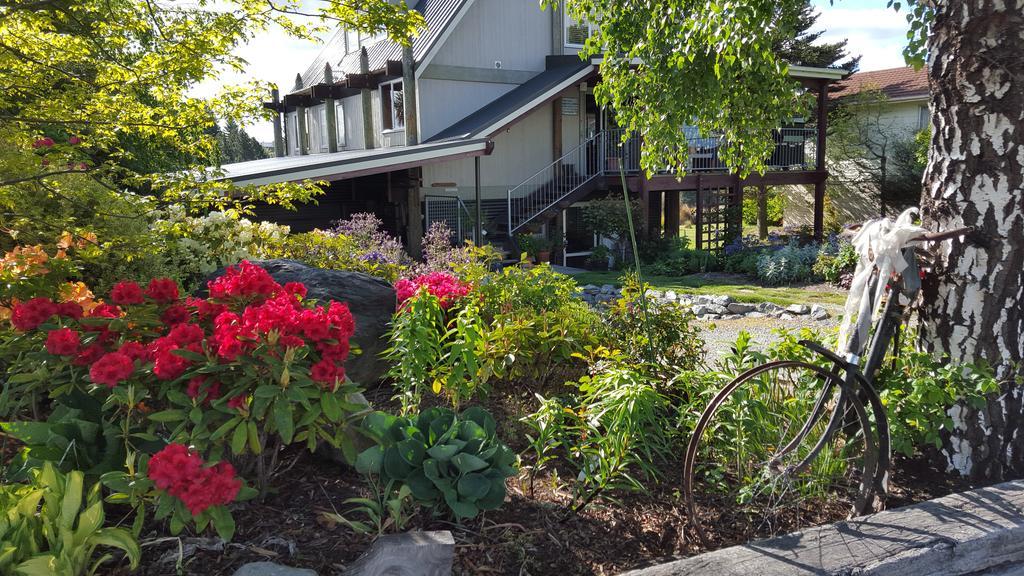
(554, 182)
(453, 212)
(607, 153)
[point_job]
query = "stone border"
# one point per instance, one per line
(708, 308)
(971, 533)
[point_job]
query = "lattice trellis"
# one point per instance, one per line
(719, 217)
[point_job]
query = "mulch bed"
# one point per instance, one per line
(533, 533)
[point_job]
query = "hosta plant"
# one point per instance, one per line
(54, 525)
(450, 462)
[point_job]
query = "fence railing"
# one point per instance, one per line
(608, 153)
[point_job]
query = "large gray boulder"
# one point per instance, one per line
(371, 300)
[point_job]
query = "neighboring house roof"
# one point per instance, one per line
(438, 14)
(519, 101)
(347, 164)
(904, 83)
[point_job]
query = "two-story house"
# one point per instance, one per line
(488, 122)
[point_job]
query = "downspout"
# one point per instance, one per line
(412, 133)
(367, 98)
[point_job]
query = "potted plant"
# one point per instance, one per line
(598, 259)
(527, 245)
(543, 248)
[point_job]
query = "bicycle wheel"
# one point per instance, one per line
(785, 445)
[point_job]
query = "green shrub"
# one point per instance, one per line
(836, 259)
(790, 264)
(676, 258)
(776, 207)
(335, 252)
(54, 525)
(613, 430)
(449, 462)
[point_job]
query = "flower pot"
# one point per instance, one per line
(543, 256)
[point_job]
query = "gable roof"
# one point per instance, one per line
(904, 83)
(438, 14)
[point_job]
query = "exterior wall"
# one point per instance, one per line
(445, 102)
(518, 153)
(513, 32)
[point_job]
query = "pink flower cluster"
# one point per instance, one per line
(182, 474)
(445, 286)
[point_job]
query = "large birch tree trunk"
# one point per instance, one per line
(974, 308)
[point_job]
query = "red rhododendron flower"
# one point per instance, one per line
(176, 314)
(324, 372)
(182, 474)
(185, 334)
(46, 142)
(166, 364)
(335, 352)
(126, 292)
(105, 311)
(199, 385)
(445, 286)
(112, 369)
(62, 342)
(133, 350)
(89, 354)
(246, 280)
(70, 310)
(163, 290)
(296, 289)
(74, 140)
(237, 402)
(30, 314)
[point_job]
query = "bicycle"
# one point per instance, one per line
(800, 433)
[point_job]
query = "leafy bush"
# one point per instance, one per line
(238, 375)
(54, 525)
(660, 337)
(790, 264)
(449, 462)
(675, 258)
(616, 424)
(468, 262)
(836, 262)
(195, 246)
(607, 217)
(776, 207)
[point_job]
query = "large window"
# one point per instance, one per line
(351, 41)
(576, 33)
(392, 105)
(291, 121)
(339, 122)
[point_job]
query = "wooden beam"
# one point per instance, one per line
(393, 68)
(672, 214)
(819, 187)
(663, 182)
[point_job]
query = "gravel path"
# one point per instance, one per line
(721, 336)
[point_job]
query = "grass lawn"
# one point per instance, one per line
(727, 284)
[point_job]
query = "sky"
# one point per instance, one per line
(875, 32)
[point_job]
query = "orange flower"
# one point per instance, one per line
(80, 294)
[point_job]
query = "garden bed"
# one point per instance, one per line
(529, 535)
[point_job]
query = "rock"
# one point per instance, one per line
(371, 300)
(671, 295)
(740, 307)
(722, 300)
(591, 289)
(819, 313)
(407, 554)
(701, 309)
(607, 289)
(271, 569)
(799, 309)
(756, 314)
(653, 294)
(786, 316)
(768, 307)
(707, 317)
(732, 317)
(717, 309)
(705, 299)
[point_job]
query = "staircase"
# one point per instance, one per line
(556, 186)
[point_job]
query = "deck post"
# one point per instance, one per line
(414, 214)
(412, 126)
(331, 113)
(672, 214)
(478, 225)
(366, 98)
(275, 97)
(698, 222)
(819, 153)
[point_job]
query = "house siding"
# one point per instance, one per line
(445, 102)
(514, 32)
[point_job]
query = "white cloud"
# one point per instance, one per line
(877, 34)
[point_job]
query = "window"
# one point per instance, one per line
(576, 33)
(392, 106)
(351, 41)
(339, 122)
(923, 118)
(291, 121)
